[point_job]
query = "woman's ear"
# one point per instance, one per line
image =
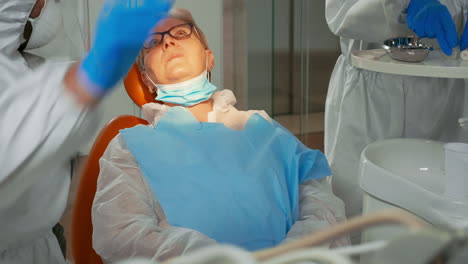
(147, 83)
(210, 60)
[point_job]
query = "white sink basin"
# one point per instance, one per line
(409, 173)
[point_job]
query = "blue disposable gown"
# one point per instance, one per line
(129, 222)
(254, 174)
(41, 126)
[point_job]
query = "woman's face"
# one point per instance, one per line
(174, 60)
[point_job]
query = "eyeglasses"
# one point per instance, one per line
(182, 31)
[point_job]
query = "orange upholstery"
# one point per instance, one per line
(136, 88)
(82, 229)
(81, 226)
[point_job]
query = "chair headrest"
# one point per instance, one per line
(136, 87)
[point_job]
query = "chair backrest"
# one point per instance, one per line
(136, 87)
(82, 229)
(81, 226)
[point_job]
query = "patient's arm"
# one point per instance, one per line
(127, 218)
(319, 209)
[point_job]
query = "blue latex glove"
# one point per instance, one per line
(431, 19)
(121, 29)
(464, 38)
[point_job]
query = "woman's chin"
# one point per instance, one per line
(180, 76)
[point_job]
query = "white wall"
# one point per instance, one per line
(208, 14)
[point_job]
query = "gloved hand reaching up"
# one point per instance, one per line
(121, 29)
(431, 19)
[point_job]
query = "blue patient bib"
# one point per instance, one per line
(236, 187)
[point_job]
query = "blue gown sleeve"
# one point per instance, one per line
(319, 208)
(310, 164)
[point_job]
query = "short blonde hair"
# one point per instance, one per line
(184, 15)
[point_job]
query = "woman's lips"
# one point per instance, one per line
(173, 56)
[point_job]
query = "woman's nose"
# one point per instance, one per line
(168, 41)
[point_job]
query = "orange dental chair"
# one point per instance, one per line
(81, 226)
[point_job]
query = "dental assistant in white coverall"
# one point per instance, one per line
(365, 106)
(46, 113)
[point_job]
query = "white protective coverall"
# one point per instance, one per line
(128, 220)
(364, 106)
(41, 126)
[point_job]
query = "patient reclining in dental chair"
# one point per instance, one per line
(204, 172)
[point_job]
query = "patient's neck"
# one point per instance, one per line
(200, 111)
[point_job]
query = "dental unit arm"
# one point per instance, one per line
(422, 244)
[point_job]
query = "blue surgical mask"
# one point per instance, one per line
(188, 93)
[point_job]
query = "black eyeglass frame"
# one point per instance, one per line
(168, 32)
